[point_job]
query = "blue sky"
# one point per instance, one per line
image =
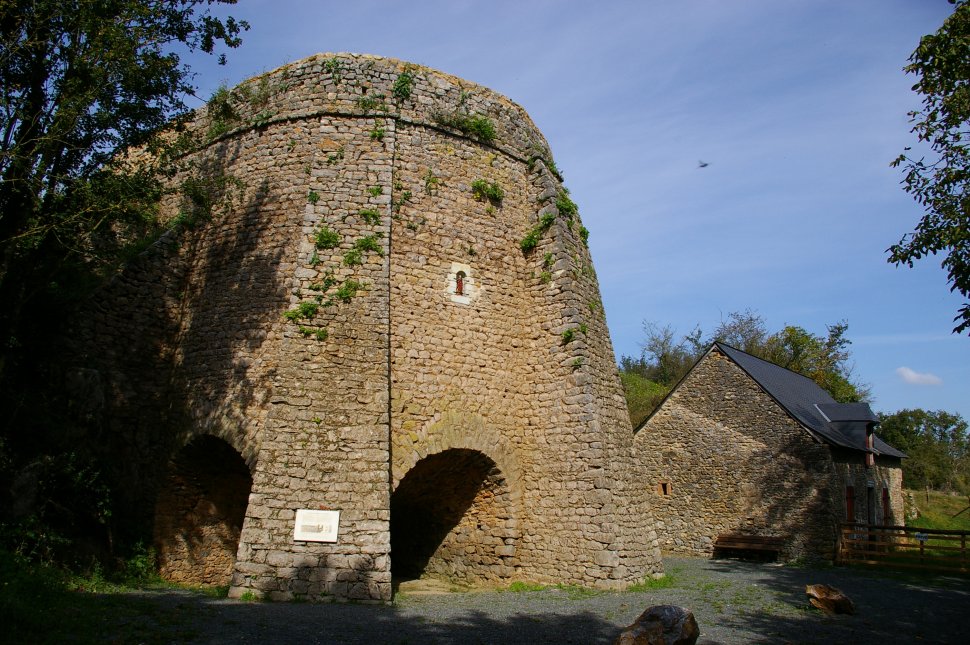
(798, 107)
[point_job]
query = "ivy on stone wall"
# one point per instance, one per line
(330, 291)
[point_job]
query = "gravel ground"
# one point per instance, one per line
(733, 602)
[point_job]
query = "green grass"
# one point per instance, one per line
(577, 592)
(519, 586)
(47, 604)
(937, 511)
(573, 592)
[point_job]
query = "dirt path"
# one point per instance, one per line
(734, 602)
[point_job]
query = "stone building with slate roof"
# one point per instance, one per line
(742, 445)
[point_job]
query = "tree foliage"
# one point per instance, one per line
(84, 85)
(941, 183)
(642, 394)
(937, 444)
(665, 358)
(80, 83)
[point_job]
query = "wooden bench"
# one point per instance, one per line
(756, 543)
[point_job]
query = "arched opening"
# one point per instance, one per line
(451, 519)
(199, 513)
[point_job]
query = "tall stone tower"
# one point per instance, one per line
(377, 301)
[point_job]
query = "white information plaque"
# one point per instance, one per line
(316, 526)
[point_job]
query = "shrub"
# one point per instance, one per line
(326, 238)
(348, 290)
(566, 206)
(480, 127)
(490, 191)
(353, 257)
(369, 243)
(403, 85)
(530, 241)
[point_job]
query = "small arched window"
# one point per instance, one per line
(460, 283)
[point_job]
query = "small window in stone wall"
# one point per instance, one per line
(461, 285)
(850, 503)
(663, 489)
(886, 513)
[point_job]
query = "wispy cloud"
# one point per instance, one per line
(918, 378)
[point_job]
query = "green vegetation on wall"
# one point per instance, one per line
(326, 238)
(403, 85)
(484, 190)
(334, 67)
(473, 125)
(375, 103)
(531, 240)
(431, 183)
(222, 115)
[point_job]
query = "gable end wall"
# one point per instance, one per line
(735, 461)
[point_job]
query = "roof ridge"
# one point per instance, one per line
(723, 345)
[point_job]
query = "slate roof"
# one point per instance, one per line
(840, 424)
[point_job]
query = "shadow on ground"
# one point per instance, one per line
(734, 602)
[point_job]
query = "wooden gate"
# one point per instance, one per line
(903, 546)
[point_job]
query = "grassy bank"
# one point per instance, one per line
(937, 510)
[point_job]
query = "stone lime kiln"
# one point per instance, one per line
(378, 303)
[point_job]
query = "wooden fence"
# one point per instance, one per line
(906, 547)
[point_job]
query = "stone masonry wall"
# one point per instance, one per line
(885, 475)
(725, 457)
(325, 190)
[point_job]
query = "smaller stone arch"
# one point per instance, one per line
(199, 512)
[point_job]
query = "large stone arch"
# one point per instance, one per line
(451, 430)
(452, 517)
(456, 502)
(199, 512)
